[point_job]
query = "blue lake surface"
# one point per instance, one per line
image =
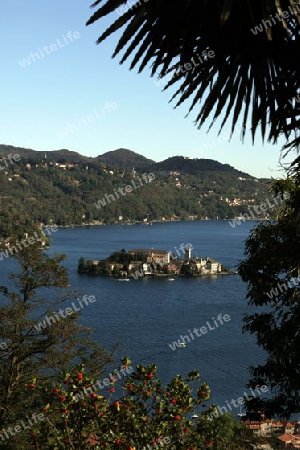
(146, 315)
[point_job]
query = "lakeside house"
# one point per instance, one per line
(204, 266)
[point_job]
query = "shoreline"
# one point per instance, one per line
(154, 222)
(160, 275)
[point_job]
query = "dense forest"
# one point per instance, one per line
(64, 188)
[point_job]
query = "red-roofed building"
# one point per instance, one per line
(289, 428)
(289, 441)
(268, 427)
(157, 256)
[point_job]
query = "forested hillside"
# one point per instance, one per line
(64, 188)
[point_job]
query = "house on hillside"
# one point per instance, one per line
(285, 431)
(289, 441)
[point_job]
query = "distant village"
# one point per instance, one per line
(138, 263)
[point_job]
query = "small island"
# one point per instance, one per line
(138, 263)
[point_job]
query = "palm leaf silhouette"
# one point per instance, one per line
(254, 74)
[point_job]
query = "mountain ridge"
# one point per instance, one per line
(127, 159)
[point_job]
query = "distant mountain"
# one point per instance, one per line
(127, 159)
(121, 158)
(189, 166)
(52, 155)
(124, 159)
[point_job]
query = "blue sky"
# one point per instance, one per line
(77, 97)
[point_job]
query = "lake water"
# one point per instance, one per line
(146, 315)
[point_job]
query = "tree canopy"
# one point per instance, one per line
(37, 339)
(272, 271)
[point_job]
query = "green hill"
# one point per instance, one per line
(124, 159)
(52, 155)
(192, 166)
(65, 187)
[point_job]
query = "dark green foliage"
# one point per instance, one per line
(272, 271)
(145, 413)
(121, 257)
(29, 354)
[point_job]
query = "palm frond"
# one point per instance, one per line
(256, 64)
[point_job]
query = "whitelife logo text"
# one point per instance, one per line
(200, 331)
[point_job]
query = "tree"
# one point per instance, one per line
(240, 58)
(81, 265)
(39, 337)
(146, 415)
(272, 271)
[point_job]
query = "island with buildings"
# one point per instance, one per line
(139, 263)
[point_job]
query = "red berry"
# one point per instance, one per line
(55, 391)
(79, 376)
(173, 401)
(62, 398)
(94, 395)
(65, 411)
(32, 385)
(112, 389)
(130, 387)
(150, 375)
(177, 417)
(66, 381)
(158, 411)
(117, 403)
(118, 441)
